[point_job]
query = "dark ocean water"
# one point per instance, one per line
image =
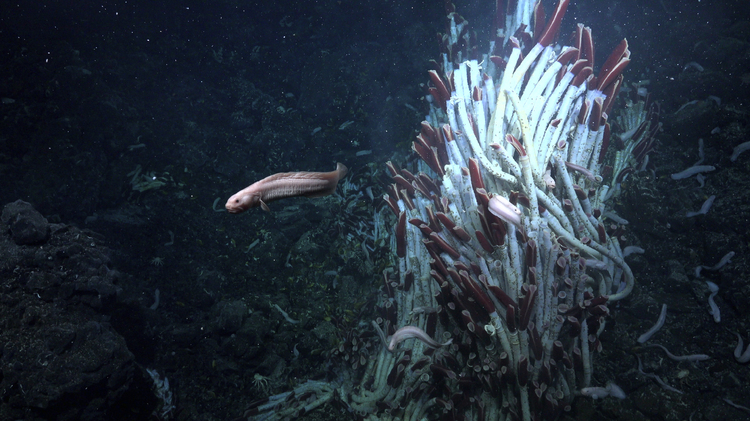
(137, 120)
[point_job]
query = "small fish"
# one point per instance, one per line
(283, 185)
(409, 332)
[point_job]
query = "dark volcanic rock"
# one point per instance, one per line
(27, 226)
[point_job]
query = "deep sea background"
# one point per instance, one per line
(190, 101)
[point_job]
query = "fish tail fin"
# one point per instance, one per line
(341, 169)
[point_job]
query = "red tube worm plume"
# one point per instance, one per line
(392, 170)
(444, 246)
(516, 144)
(535, 341)
(476, 175)
(587, 45)
(531, 251)
(427, 153)
(428, 183)
(404, 184)
(554, 24)
(484, 242)
(429, 133)
(442, 91)
(510, 319)
(581, 76)
(527, 305)
(406, 197)
(392, 203)
(615, 64)
(477, 293)
(539, 18)
(401, 235)
(596, 114)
